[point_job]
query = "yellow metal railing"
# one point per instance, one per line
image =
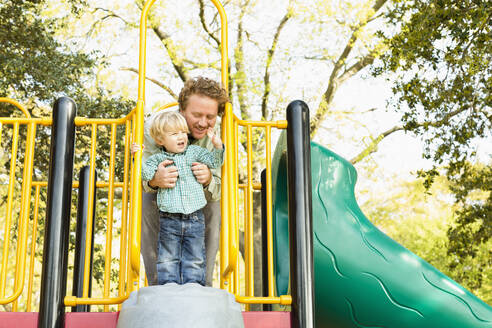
(129, 267)
(20, 214)
(129, 208)
(229, 247)
(19, 227)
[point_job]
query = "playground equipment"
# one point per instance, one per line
(361, 278)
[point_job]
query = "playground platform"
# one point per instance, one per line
(252, 319)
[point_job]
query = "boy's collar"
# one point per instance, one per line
(172, 154)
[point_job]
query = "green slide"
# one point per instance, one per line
(363, 278)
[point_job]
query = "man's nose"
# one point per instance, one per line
(203, 122)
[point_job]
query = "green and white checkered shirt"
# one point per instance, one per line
(187, 196)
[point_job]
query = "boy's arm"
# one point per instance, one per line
(150, 166)
(213, 159)
(149, 149)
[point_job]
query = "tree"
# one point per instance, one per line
(35, 69)
(285, 38)
(442, 57)
(280, 49)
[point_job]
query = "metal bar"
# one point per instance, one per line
(75, 184)
(90, 212)
(80, 238)
(300, 215)
(25, 120)
(136, 204)
(248, 225)
(55, 251)
(24, 211)
(264, 251)
(124, 212)
(109, 224)
(282, 299)
(33, 248)
(269, 214)
(8, 217)
(236, 206)
(282, 124)
(16, 104)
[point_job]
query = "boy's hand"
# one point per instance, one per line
(134, 148)
(215, 139)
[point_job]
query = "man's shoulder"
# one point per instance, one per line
(205, 142)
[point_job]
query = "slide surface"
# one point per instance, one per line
(363, 278)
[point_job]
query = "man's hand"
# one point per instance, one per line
(165, 176)
(215, 139)
(202, 173)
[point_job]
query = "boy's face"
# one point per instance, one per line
(200, 114)
(173, 141)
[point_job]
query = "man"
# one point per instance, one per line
(200, 102)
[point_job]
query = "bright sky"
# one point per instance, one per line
(399, 153)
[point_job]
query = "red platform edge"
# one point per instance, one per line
(252, 319)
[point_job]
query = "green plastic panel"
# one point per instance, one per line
(363, 278)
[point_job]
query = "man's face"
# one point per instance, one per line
(200, 114)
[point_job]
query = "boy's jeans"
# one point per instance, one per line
(181, 248)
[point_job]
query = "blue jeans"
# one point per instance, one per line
(181, 248)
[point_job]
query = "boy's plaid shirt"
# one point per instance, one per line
(187, 196)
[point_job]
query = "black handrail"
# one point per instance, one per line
(80, 237)
(300, 215)
(57, 224)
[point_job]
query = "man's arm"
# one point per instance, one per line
(165, 175)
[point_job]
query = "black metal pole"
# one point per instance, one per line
(80, 238)
(264, 242)
(300, 215)
(57, 224)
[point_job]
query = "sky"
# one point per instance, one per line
(399, 154)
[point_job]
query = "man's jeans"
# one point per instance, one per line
(181, 248)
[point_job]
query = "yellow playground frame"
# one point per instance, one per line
(129, 271)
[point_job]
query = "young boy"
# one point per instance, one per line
(181, 244)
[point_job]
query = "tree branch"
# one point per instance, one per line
(204, 24)
(111, 14)
(155, 81)
(177, 62)
(335, 80)
(373, 147)
(271, 52)
(240, 77)
(357, 67)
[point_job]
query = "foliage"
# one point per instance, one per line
(34, 64)
(420, 218)
(274, 45)
(441, 55)
(36, 68)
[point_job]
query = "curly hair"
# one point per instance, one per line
(204, 87)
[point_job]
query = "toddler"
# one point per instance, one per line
(181, 243)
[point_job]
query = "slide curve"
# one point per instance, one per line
(363, 278)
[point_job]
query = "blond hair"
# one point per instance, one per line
(167, 122)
